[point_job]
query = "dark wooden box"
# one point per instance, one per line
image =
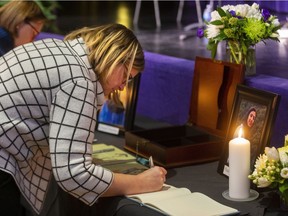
(175, 146)
(202, 138)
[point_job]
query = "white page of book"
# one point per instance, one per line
(181, 202)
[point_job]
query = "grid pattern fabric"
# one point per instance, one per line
(49, 97)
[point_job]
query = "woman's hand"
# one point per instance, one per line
(148, 181)
(152, 179)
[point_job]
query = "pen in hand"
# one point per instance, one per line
(151, 163)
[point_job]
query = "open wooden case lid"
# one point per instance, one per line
(214, 86)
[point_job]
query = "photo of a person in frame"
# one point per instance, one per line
(255, 112)
(251, 118)
(247, 124)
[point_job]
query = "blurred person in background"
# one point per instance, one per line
(20, 22)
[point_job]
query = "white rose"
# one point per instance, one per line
(286, 140)
(263, 182)
(255, 6)
(215, 16)
(274, 35)
(276, 22)
(242, 9)
(228, 8)
(272, 153)
(284, 173)
(254, 12)
(283, 155)
(212, 31)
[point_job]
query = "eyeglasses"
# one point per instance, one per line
(33, 27)
(130, 79)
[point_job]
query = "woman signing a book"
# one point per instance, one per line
(50, 92)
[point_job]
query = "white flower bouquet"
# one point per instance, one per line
(271, 169)
(241, 26)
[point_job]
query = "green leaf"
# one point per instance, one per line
(2, 3)
(216, 22)
(228, 14)
(276, 28)
(283, 187)
(221, 36)
(212, 46)
(48, 8)
(221, 12)
(241, 21)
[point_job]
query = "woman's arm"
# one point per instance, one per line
(148, 181)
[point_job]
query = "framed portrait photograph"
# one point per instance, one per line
(117, 114)
(254, 111)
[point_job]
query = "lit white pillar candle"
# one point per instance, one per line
(239, 167)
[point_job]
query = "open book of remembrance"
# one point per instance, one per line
(181, 202)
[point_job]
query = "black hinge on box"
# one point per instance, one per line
(201, 140)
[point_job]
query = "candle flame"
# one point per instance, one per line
(240, 132)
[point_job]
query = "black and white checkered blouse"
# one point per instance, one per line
(48, 103)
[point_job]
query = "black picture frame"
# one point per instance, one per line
(117, 121)
(266, 105)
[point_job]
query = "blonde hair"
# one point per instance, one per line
(15, 12)
(109, 46)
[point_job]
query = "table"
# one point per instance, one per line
(198, 178)
(205, 179)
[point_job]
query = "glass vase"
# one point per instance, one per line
(235, 53)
